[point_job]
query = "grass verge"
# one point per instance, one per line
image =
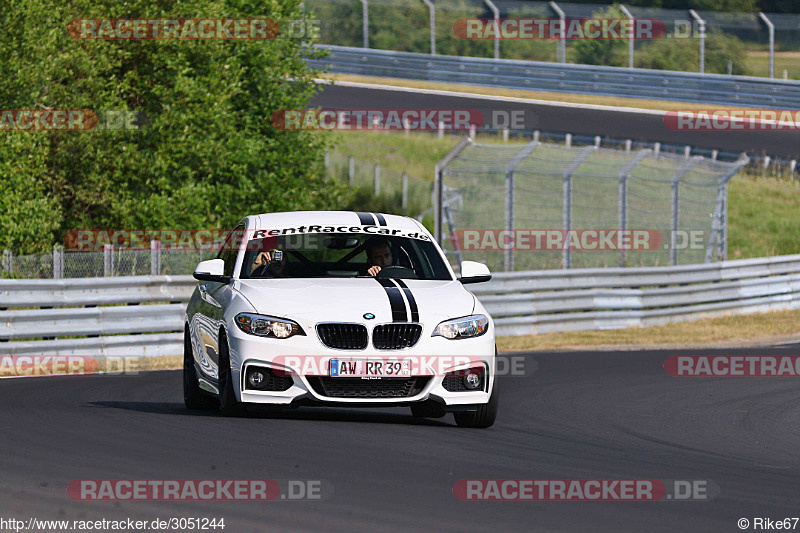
(726, 331)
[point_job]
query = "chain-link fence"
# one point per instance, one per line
(428, 27)
(393, 190)
(62, 263)
(543, 206)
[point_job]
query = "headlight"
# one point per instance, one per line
(267, 326)
(462, 328)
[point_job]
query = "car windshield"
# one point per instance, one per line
(315, 255)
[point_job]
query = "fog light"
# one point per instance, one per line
(472, 380)
(255, 379)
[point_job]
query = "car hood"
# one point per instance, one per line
(349, 299)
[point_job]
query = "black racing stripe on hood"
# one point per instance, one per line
(412, 302)
(395, 300)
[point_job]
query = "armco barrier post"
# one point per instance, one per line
(377, 179)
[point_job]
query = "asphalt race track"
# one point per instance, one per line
(576, 120)
(578, 416)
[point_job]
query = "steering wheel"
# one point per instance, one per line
(396, 271)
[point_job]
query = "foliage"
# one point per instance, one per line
(205, 154)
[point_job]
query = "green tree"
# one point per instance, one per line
(207, 153)
(602, 52)
(684, 54)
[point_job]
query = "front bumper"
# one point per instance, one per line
(248, 350)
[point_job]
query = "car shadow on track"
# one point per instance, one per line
(300, 413)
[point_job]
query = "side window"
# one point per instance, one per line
(230, 249)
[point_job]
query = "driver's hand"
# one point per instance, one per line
(262, 259)
(373, 270)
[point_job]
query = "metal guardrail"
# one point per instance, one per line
(525, 303)
(521, 303)
(124, 316)
(558, 77)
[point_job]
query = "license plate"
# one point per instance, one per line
(368, 368)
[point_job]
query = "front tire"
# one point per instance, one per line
(193, 396)
(228, 404)
(485, 415)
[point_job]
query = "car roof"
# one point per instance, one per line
(292, 219)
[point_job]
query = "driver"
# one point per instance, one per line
(379, 255)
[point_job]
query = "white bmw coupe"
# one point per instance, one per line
(341, 309)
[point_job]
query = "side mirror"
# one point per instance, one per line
(211, 270)
(473, 272)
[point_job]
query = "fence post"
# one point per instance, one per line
(771, 28)
(108, 260)
(562, 44)
(327, 160)
(58, 262)
(8, 261)
(438, 187)
(496, 13)
(404, 203)
(628, 145)
(505, 135)
(432, 16)
(351, 169)
(567, 215)
(702, 24)
(568, 140)
(377, 179)
(597, 141)
(536, 134)
(630, 39)
(441, 129)
(511, 166)
(656, 149)
(675, 207)
(623, 194)
(365, 22)
(155, 258)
